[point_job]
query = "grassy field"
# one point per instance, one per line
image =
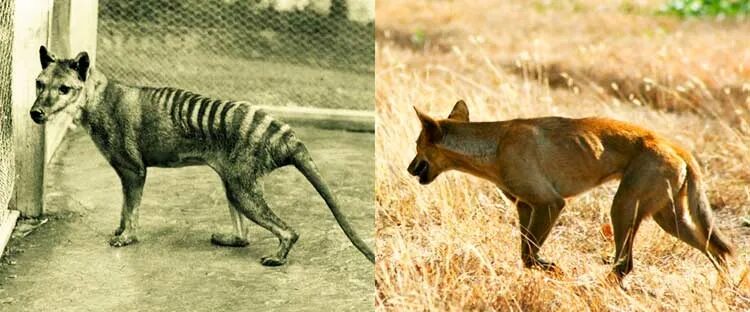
(454, 245)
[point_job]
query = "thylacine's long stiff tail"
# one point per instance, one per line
(718, 246)
(304, 163)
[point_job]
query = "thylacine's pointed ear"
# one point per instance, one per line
(81, 65)
(45, 57)
(430, 126)
(460, 112)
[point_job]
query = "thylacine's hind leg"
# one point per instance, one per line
(239, 237)
(236, 239)
(645, 188)
(247, 197)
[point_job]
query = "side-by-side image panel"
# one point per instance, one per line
(187, 155)
(562, 156)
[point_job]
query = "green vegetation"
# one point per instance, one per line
(707, 7)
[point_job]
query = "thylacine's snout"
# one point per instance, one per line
(38, 115)
(419, 168)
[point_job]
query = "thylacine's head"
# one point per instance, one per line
(430, 161)
(60, 85)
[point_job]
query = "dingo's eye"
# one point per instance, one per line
(39, 85)
(64, 89)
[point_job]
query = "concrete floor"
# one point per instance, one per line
(67, 265)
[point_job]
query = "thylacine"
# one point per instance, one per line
(540, 162)
(139, 127)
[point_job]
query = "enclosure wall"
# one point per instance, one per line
(317, 53)
(7, 166)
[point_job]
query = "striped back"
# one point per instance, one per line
(228, 123)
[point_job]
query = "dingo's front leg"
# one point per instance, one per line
(539, 205)
(529, 247)
(132, 189)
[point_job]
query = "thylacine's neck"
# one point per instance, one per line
(94, 94)
(94, 89)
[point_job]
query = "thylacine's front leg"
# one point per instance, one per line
(132, 189)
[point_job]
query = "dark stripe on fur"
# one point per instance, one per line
(257, 119)
(223, 120)
(201, 112)
(212, 119)
(161, 98)
(180, 94)
(168, 96)
(157, 99)
(273, 127)
(240, 114)
(180, 114)
(191, 107)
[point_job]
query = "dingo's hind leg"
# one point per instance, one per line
(672, 220)
(645, 188)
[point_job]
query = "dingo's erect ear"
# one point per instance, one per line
(45, 57)
(429, 126)
(81, 65)
(460, 112)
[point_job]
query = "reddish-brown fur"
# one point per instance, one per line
(540, 162)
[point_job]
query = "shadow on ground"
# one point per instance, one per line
(67, 264)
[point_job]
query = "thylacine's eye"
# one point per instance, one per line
(39, 85)
(64, 89)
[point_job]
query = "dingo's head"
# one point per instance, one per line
(430, 161)
(60, 85)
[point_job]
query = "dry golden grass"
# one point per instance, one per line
(454, 245)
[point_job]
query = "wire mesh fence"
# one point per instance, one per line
(7, 158)
(283, 52)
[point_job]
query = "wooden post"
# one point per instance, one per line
(66, 27)
(30, 31)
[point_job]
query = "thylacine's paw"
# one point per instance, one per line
(122, 240)
(228, 240)
(272, 261)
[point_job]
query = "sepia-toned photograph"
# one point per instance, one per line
(165, 155)
(562, 155)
